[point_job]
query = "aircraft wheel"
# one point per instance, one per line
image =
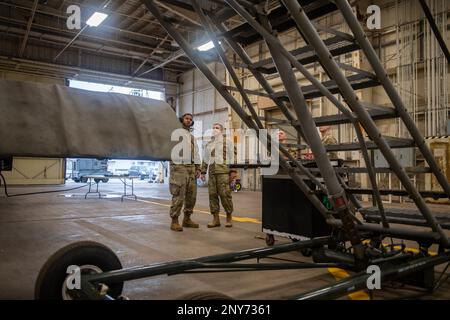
(91, 257)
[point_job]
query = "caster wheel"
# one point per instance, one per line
(306, 252)
(270, 240)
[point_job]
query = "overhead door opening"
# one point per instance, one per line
(80, 169)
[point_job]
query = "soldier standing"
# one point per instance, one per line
(217, 151)
(282, 140)
(183, 181)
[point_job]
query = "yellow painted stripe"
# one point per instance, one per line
(340, 274)
(431, 253)
(252, 220)
(153, 202)
(235, 218)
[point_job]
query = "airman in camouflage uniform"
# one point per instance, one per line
(183, 182)
(282, 140)
(218, 170)
(327, 138)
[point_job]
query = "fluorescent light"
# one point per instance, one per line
(96, 19)
(205, 47)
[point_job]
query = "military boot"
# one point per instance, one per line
(215, 222)
(175, 226)
(229, 223)
(188, 223)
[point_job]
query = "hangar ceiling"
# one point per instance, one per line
(129, 46)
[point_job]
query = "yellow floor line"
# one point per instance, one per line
(414, 250)
(152, 202)
(340, 274)
(431, 253)
(239, 219)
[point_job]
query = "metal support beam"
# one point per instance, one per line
(30, 22)
(182, 12)
(174, 56)
(70, 43)
(372, 176)
(150, 55)
(130, 15)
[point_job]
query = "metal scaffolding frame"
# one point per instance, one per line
(302, 120)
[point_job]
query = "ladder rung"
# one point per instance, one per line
(393, 143)
(404, 216)
(400, 193)
(358, 81)
(376, 114)
(306, 55)
(250, 92)
(411, 170)
(280, 20)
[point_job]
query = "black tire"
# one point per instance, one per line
(52, 275)
(105, 180)
(83, 180)
(76, 180)
(205, 295)
(270, 240)
(306, 252)
(96, 180)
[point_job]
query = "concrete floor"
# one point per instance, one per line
(34, 227)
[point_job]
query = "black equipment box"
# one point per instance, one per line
(287, 212)
(6, 163)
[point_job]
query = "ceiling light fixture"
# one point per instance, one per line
(96, 19)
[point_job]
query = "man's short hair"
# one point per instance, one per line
(218, 124)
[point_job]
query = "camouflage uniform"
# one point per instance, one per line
(183, 183)
(329, 139)
(293, 152)
(219, 181)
